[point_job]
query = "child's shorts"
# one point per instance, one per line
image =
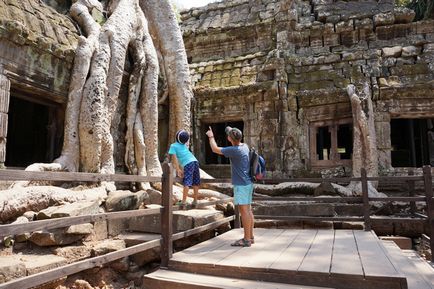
(243, 194)
(191, 174)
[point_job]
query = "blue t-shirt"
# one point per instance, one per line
(239, 156)
(182, 153)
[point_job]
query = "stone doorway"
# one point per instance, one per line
(31, 133)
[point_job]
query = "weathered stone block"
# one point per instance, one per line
(426, 26)
(182, 220)
(349, 38)
(11, 268)
(392, 51)
(384, 19)
(419, 68)
(35, 264)
(331, 39)
(410, 51)
(70, 210)
(403, 14)
(344, 26)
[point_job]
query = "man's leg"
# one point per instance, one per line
(246, 220)
(252, 219)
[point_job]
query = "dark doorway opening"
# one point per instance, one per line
(323, 143)
(221, 139)
(412, 142)
(27, 137)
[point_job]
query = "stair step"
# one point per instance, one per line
(163, 279)
(419, 273)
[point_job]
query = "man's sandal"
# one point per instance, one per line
(242, 243)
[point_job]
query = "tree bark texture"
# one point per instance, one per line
(365, 153)
(96, 81)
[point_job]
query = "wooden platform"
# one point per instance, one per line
(343, 259)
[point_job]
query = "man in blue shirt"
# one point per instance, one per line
(238, 154)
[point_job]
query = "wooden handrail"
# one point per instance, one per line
(16, 175)
(15, 229)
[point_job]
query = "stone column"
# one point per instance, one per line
(5, 86)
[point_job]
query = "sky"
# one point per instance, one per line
(187, 4)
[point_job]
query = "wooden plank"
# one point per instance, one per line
(311, 199)
(307, 218)
(219, 251)
(345, 258)
(292, 257)
(15, 175)
(163, 279)
(241, 257)
(425, 269)
(272, 250)
(406, 267)
(374, 261)
(54, 274)
(318, 258)
(226, 250)
(196, 252)
(14, 229)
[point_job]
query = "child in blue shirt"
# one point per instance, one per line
(187, 166)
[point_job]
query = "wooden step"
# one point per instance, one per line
(163, 279)
(419, 274)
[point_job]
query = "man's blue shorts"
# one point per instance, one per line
(243, 194)
(191, 174)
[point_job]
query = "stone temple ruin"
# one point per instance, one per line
(279, 70)
(276, 69)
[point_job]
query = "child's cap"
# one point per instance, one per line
(182, 136)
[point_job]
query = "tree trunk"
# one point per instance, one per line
(164, 28)
(96, 80)
(364, 140)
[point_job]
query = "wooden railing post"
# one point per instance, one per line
(237, 222)
(411, 187)
(166, 215)
(427, 179)
(365, 195)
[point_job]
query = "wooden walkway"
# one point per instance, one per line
(344, 259)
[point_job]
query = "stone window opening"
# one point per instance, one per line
(331, 143)
(412, 142)
(221, 139)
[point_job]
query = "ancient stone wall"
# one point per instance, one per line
(290, 76)
(37, 48)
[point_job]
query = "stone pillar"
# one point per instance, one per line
(5, 86)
